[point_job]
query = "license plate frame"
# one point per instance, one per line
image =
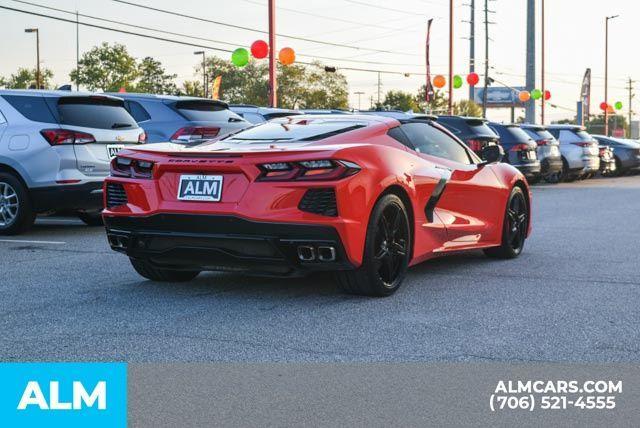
(200, 188)
(113, 150)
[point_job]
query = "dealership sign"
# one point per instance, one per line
(500, 96)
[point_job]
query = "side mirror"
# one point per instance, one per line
(492, 154)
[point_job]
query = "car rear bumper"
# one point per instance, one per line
(227, 243)
(65, 197)
(529, 169)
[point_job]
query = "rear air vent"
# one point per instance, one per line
(116, 195)
(320, 201)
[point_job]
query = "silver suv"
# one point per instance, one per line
(55, 150)
(580, 152)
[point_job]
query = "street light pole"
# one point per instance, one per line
(204, 72)
(544, 89)
(606, 73)
(38, 77)
(273, 80)
(450, 57)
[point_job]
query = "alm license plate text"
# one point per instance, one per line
(200, 188)
(113, 149)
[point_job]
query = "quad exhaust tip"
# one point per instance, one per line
(308, 253)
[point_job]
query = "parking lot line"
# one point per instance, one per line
(21, 241)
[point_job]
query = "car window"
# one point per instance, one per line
(204, 110)
(569, 136)
(429, 140)
(2, 119)
(33, 108)
(137, 111)
(94, 112)
(397, 134)
(512, 134)
(253, 117)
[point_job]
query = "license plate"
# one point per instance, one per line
(531, 155)
(200, 188)
(113, 149)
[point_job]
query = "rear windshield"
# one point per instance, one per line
(283, 132)
(481, 129)
(584, 135)
(574, 136)
(270, 116)
(94, 112)
(514, 134)
(206, 111)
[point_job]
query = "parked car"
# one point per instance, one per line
(181, 119)
(55, 150)
(520, 149)
(608, 165)
(579, 150)
(626, 153)
(473, 131)
(548, 152)
(325, 111)
(293, 200)
(255, 114)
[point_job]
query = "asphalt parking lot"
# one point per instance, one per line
(572, 296)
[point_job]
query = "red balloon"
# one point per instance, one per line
(604, 106)
(259, 49)
(473, 79)
(547, 95)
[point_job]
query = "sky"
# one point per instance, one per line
(574, 29)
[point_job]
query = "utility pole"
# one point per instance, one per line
(606, 73)
(273, 81)
(530, 111)
(204, 72)
(450, 110)
(379, 89)
(77, 50)
(486, 58)
(631, 96)
(472, 45)
(544, 88)
(359, 94)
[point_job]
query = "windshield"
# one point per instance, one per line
(94, 112)
(301, 131)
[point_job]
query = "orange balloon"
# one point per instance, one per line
(439, 81)
(524, 96)
(287, 56)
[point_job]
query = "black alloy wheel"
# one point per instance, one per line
(387, 251)
(516, 224)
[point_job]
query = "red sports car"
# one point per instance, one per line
(363, 196)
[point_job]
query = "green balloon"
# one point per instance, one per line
(618, 105)
(240, 57)
(536, 94)
(457, 82)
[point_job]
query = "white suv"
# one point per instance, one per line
(55, 151)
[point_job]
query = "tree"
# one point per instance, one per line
(438, 103)
(467, 108)
(398, 100)
(25, 78)
(193, 88)
(107, 68)
(325, 90)
(596, 125)
(153, 79)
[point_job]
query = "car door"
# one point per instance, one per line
(470, 192)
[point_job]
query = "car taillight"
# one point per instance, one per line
(57, 137)
(195, 133)
(475, 145)
(519, 148)
(312, 170)
(583, 144)
(142, 138)
(542, 142)
(131, 168)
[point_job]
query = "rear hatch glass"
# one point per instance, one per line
(284, 132)
(205, 111)
(94, 112)
(479, 128)
(517, 135)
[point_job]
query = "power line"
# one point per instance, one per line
(255, 30)
(390, 9)
(204, 38)
(164, 39)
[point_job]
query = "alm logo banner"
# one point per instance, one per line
(63, 394)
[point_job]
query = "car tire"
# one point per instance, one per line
(149, 271)
(514, 231)
(387, 251)
(91, 218)
(16, 213)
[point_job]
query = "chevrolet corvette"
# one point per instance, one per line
(364, 197)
